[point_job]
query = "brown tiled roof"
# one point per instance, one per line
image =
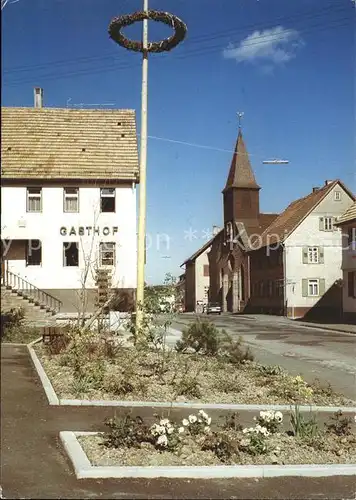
(294, 214)
(241, 173)
(56, 143)
(348, 216)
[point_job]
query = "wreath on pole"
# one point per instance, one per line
(118, 23)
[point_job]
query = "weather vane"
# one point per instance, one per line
(240, 115)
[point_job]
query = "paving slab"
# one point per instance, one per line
(34, 464)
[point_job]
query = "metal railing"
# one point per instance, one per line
(30, 292)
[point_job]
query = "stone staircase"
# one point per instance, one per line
(39, 307)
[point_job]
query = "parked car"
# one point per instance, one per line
(213, 308)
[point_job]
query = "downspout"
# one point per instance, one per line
(285, 301)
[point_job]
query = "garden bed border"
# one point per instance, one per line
(85, 470)
(53, 399)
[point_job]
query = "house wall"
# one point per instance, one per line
(190, 299)
(46, 227)
(348, 266)
(308, 234)
(201, 281)
(266, 281)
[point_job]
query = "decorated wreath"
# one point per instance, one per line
(180, 30)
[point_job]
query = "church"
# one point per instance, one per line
(229, 261)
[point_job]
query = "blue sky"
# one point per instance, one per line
(288, 65)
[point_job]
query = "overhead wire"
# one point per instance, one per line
(182, 56)
(190, 41)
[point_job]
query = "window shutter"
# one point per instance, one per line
(335, 228)
(321, 223)
(321, 255)
(305, 255)
(304, 287)
(321, 287)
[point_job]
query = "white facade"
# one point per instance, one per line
(55, 228)
(349, 268)
(202, 279)
(313, 253)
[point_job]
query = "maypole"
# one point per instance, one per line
(145, 47)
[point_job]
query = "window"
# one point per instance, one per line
(313, 255)
(107, 254)
(313, 288)
(34, 199)
(337, 195)
(351, 238)
(34, 253)
(229, 235)
(326, 223)
(351, 284)
(71, 199)
(107, 199)
(70, 254)
(206, 270)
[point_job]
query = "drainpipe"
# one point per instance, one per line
(285, 301)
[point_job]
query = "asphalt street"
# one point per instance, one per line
(311, 352)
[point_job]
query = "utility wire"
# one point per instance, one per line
(183, 56)
(190, 42)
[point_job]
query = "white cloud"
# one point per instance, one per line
(276, 45)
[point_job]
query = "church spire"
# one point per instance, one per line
(241, 174)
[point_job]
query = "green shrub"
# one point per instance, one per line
(201, 337)
(339, 425)
(221, 445)
(302, 428)
(232, 422)
(270, 371)
(188, 386)
(126, 432)
(232, 351)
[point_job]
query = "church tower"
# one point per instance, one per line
(241, 194)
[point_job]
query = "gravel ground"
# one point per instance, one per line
(292, 451)
(217, 382)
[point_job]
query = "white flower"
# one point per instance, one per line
(170, 430)
(208, 420)
(192, 419)
(203, 414)
(180, 430)
(207, 429)
(185, 422)
(355, 419)
(278, 416)
(164, 421)
(245, 431)
(156, 430)
(162, 440)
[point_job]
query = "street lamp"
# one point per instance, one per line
(145, 47)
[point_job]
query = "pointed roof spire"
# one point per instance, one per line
(241, 174)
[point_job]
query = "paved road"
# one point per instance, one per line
(34, 465)
(314, 353)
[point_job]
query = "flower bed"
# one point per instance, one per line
(197, 441)
(105, 372)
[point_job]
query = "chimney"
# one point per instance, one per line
(38, 93)
(216, 229)
(315, 188)
(327, 182)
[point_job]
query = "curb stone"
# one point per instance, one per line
(55, 401)
(84, 469)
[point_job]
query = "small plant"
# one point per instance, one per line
(255, 444)
(232, 422)
(270, 370)
(188, 386)
(304, 429)
(294, 389)
(58, 344)
(167, 435)
(339, 425)
(227, 385)
(270, 419)
(232, 351)
(127, 432)
(201, 337)
(221, 445)
(92, 372)
(197, 424)
(81, 386)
